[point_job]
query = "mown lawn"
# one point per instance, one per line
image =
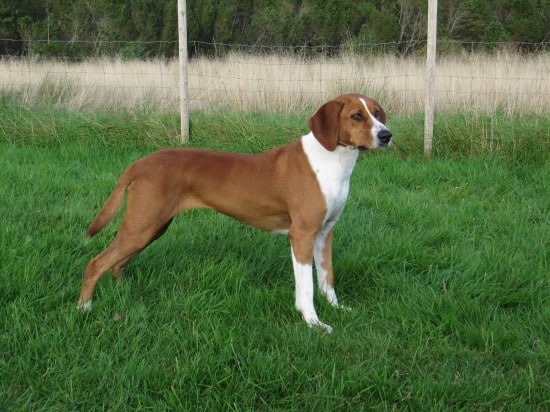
(444, 263)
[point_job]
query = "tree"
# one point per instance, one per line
(147, 28)
(526, 21)
(475, 16)
(494, 34)
(412, 24)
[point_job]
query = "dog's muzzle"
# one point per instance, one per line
(384, 137)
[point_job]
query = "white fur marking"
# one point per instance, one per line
(378, 125)
(86, 306)
(333, 171)
(280, 231)
(303, 276)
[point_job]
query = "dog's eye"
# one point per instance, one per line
(377, 114)
(357, 117)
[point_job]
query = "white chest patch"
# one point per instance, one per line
(333, 171)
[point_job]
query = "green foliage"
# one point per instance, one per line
(527, 20)
(275, 26)
(376, 30)
(446, 46)
(476, 14)
(494, 34)
(84, 29)
(133, 51)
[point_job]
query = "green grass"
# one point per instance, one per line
(444, 262)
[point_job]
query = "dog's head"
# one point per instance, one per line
(351, 120)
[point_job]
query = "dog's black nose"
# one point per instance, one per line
(384, 136)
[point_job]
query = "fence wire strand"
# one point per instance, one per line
(280, 79)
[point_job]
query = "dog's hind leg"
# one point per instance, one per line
(116, 256)
(133, 236)
(118, 269)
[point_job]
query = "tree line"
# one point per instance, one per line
(148, 28)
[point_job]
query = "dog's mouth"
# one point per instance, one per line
(385, 145)
(362, 148)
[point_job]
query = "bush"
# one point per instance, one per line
(495, 34)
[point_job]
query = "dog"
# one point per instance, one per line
(299, 189)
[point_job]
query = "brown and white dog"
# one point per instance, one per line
(299, 189)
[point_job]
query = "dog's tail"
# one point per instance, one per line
(112, 205)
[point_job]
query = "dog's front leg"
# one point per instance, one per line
(302, 256)
(323, 264)
(322, 254)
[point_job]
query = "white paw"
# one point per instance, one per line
(314, 322)
(330, 294)
(344, 308)
(85, 306)
(319, 324)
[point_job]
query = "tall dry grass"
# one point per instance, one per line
(465, 83)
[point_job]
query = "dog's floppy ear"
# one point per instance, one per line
(325, 124)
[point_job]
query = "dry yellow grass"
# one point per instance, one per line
(470, 83)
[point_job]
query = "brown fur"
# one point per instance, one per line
(275, 191)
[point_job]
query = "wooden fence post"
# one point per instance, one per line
(430, 78)
(183, 62)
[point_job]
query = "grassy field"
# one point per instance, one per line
(468, 83)
(444, 262)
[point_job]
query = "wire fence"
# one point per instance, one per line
(293, 79)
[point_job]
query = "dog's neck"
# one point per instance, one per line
(340, 161)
